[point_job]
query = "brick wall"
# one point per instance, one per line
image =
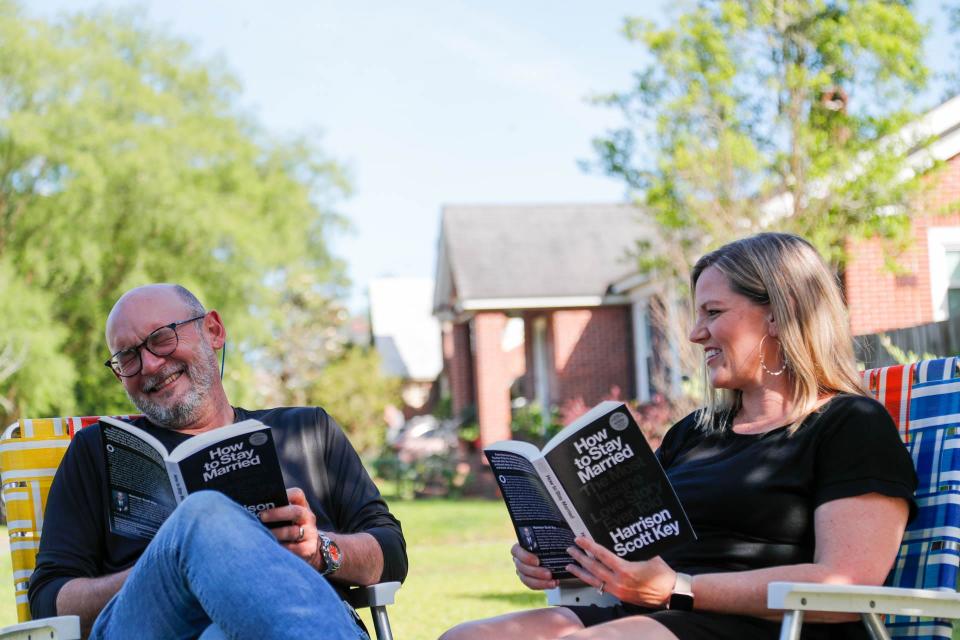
(493, 375)
(593, 352)
(879, 300)
(458, 364)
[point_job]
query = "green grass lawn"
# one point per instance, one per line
(460, 567)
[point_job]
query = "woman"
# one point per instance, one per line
(788, 472)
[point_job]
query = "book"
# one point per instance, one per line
(147, 482)
(597, 478)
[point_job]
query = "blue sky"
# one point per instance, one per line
(426, 103)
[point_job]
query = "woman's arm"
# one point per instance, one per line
(857, 540)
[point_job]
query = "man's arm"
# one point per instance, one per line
(355, 505)
(86, 597)
(339, 498)
(362, 558)
(76, 573)
(362, 555)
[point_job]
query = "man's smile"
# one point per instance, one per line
(153, 386)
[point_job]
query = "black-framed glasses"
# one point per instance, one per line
(161, 342)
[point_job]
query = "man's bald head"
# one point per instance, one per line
(162, 296)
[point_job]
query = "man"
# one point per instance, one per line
(212, 569)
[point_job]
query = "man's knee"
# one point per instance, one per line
(200, 509)
(207, 505)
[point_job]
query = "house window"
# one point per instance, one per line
(953, 284)
(642, 351)
(943, 244)
(541, 364)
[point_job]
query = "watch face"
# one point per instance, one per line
(332, 557)
(681, 602)
(334, 551)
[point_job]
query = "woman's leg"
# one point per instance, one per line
(631, 628)
(535, 624)
(557, 622)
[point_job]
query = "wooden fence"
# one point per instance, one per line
(937, 338)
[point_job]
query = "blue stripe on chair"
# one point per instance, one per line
(930, 554)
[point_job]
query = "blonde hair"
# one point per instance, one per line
(786, 272)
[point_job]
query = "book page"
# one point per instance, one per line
(140, 494)
(539, 526)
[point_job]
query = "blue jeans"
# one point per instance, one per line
(214, 570)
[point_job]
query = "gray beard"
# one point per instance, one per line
(202, 374)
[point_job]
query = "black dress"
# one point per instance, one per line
(751, 500)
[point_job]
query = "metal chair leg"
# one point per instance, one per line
(381, 623)
(875, 626)
(790, 629)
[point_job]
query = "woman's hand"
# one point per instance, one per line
(648, 583)
(529, 570)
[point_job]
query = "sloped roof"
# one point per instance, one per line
(514, 252)
(405, 333)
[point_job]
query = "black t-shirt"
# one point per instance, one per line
(751, 498)
(315, 455)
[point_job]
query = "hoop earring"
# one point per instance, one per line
(763, 365)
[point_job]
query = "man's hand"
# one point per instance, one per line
(301, 537)
(362, 555)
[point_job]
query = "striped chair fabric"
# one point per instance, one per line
(924, 400)
(30, 452)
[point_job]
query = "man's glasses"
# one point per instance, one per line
(161, 342)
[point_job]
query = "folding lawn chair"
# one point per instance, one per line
(30, 452)
(920, 597)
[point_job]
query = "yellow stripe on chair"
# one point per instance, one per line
(30, 453)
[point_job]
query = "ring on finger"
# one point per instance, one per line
(602, 585)
(300, 535)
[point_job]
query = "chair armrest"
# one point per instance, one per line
(59, 628)
(376, 595)
(803, 596)
(579, 595)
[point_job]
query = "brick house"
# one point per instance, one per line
(927, 289)
(512, 327)
(529, 308)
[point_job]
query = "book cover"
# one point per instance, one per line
(146, 482)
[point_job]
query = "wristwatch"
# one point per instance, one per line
(332, 557)
(682, 597)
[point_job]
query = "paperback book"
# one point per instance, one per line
(147, 482)
(597, 478)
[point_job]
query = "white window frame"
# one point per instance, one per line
(940, 240)
(541, 364)
(641, 347)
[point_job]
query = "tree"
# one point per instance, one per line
(350, 385)
(952, 76)
(125, 159)
(770, 114)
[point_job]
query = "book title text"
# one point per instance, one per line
(227, 458)
(598, 453)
